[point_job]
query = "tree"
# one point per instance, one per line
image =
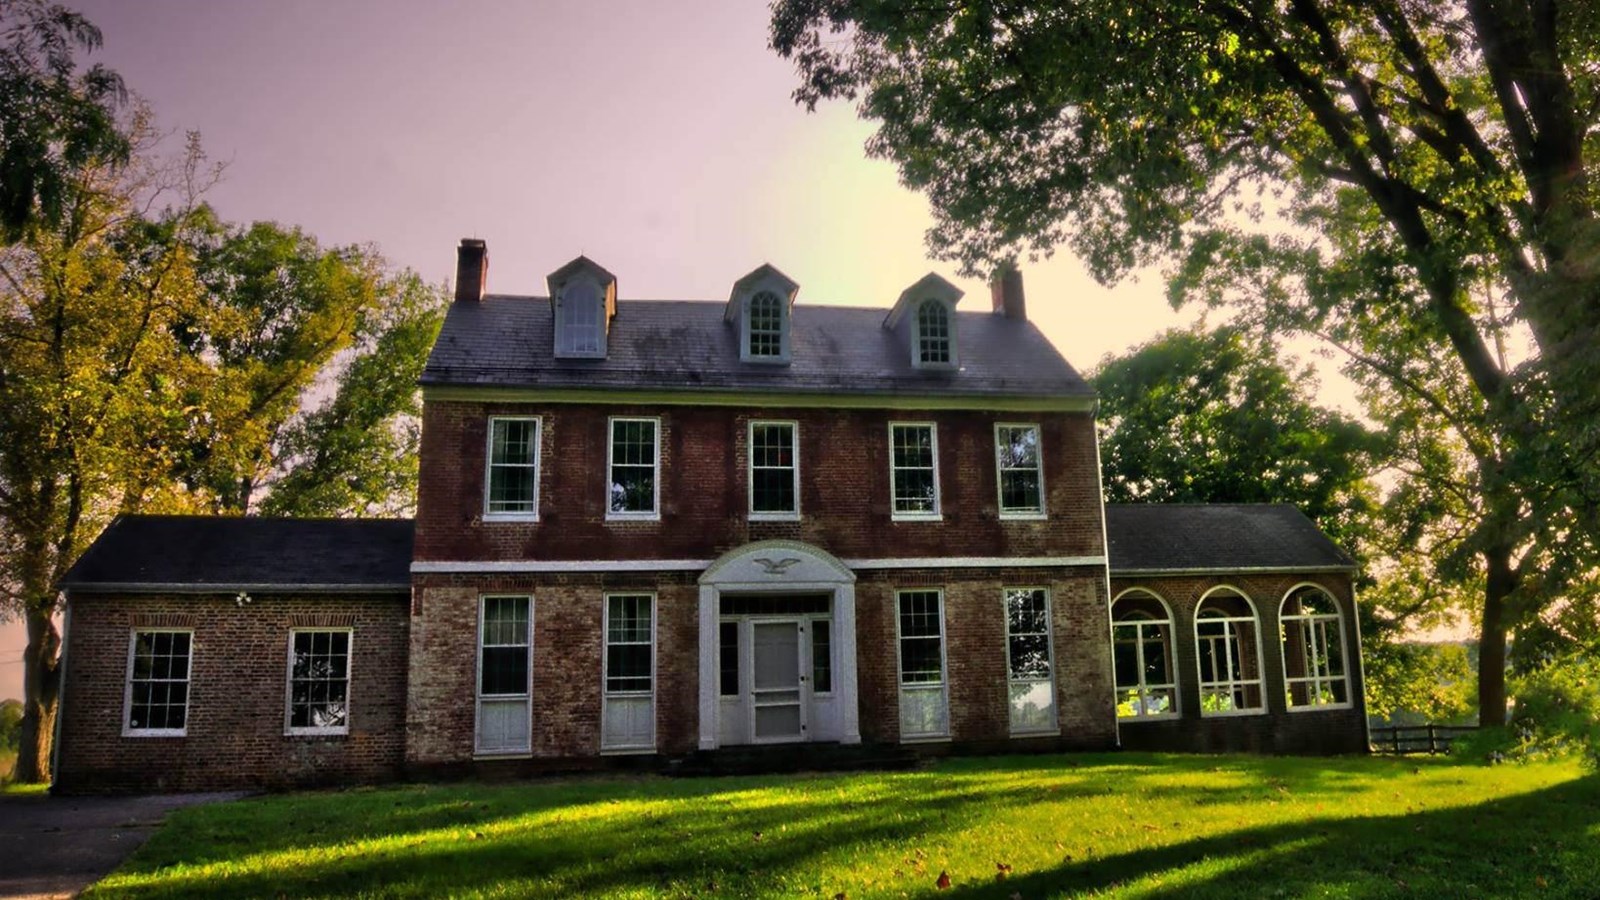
(1430, 163)
(53, 119)
(1216, 417)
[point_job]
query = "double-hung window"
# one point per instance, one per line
(1018, 470)
(505, 650)
(774, 471)
(924, 702)
(157, 699)
(513, 479)
(319, 681)
(635, 466)
(629, 714)
(1028, 661)
(914, 470)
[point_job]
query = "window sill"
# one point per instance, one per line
(501, 754)
(316, 732)
(1233, 714)
(916, 517)
(1321, 707)
(155, 732)
(774, 517)
(926, 739)
(627, 751)
(1163, 717)
(1042, 732)
(1023, 516)
(510, 517)
(633, 517)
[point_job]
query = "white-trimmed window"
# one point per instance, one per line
(935, 339)
(629, 720)
(1227, 641)
(774, 470)
(505, 673)
(914, 470)
(924, 701)
(1018, 471)
(319, 681)
(766, 328)
(1141, 650)
(634, 461)
(1029, 661)
(512, 482)
(157, 700)
(1315, 674)
(821, 656)
(581, 320)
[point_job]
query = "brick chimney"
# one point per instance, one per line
(472, 270)
(1005, 287)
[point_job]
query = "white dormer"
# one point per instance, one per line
(926, 312)
(584, 296)
(761, 303)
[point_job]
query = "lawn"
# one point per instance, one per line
(1125, 825)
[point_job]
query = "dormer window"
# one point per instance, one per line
(580, 320)
(766, 327)
(933, 334)
(760, 306)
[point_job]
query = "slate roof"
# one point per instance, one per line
(218, 553)
(1215, 537)
(506, 341)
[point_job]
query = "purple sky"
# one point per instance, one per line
(657, 138)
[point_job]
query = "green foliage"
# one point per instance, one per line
(1101, 825)
(10, 726)
(1558, 708)
(54, 119)
(1217, 417)
(1410, 683)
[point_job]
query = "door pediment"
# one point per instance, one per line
(778, 563)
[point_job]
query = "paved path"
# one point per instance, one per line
(57, 846)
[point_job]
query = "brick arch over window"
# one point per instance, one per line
(1143, 655)
(1227, 633)
(1316, 667)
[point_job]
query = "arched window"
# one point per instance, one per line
(765, 326)
(1141, 648)
(1314, 670)
(933, 334)
(1227, 642)
(580, 320)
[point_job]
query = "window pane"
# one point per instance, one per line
(920, 661)
(729, 658)
(633, 466)
(319, 679)
(912, 469)
(158, 689)
(933, 332)
(1030, 656)
(821, 656)
(505, 670)
(766, 325)
(513, 454)
(772, 468)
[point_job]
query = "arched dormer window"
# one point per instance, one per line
(580, 320)
(935, 346)
(1314, 670)
(766, 331)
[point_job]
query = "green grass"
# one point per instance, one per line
(1127, 825)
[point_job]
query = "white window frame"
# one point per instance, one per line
(750, 470)
(607, 696)
(1144, 687)
(489, 466)
(477, 681)
(949, 337)
(127, 685)
(654, 512)
(1050, 658)
(1230, 639)
(1314, 625)
(349, 679)
(937, 513)
(566, 307)
(811, 650)
(784, 315)
(999, 478)
(944, 668)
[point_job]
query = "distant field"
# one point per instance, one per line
(1126, 825)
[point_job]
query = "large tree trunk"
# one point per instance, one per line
(41, 690)
(1492, 639)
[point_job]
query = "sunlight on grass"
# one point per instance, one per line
(1113, 825)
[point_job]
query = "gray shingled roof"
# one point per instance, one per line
(685, 345)
(1177, 537)
(217, 553)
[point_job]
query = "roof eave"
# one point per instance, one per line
(94, 587)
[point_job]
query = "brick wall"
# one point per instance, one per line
(237, 695)
(1278, 729)
(844, 495)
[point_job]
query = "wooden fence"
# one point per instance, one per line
(1430, 739)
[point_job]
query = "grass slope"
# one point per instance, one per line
(1126, 825)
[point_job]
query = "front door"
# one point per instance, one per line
(777, 689)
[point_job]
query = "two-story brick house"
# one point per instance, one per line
(658, 528)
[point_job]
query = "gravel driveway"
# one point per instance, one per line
(57, 846)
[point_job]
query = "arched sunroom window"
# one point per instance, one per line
(1141, 642)
(765, 326)
(1314, 668)
(1228, 645)
(580, 320)
(934, 341)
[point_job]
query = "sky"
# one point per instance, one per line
(659, 139)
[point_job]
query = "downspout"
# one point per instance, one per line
(1361, 662)
(1105, 552)
(61, 696)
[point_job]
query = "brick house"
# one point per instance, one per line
(649, 531)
